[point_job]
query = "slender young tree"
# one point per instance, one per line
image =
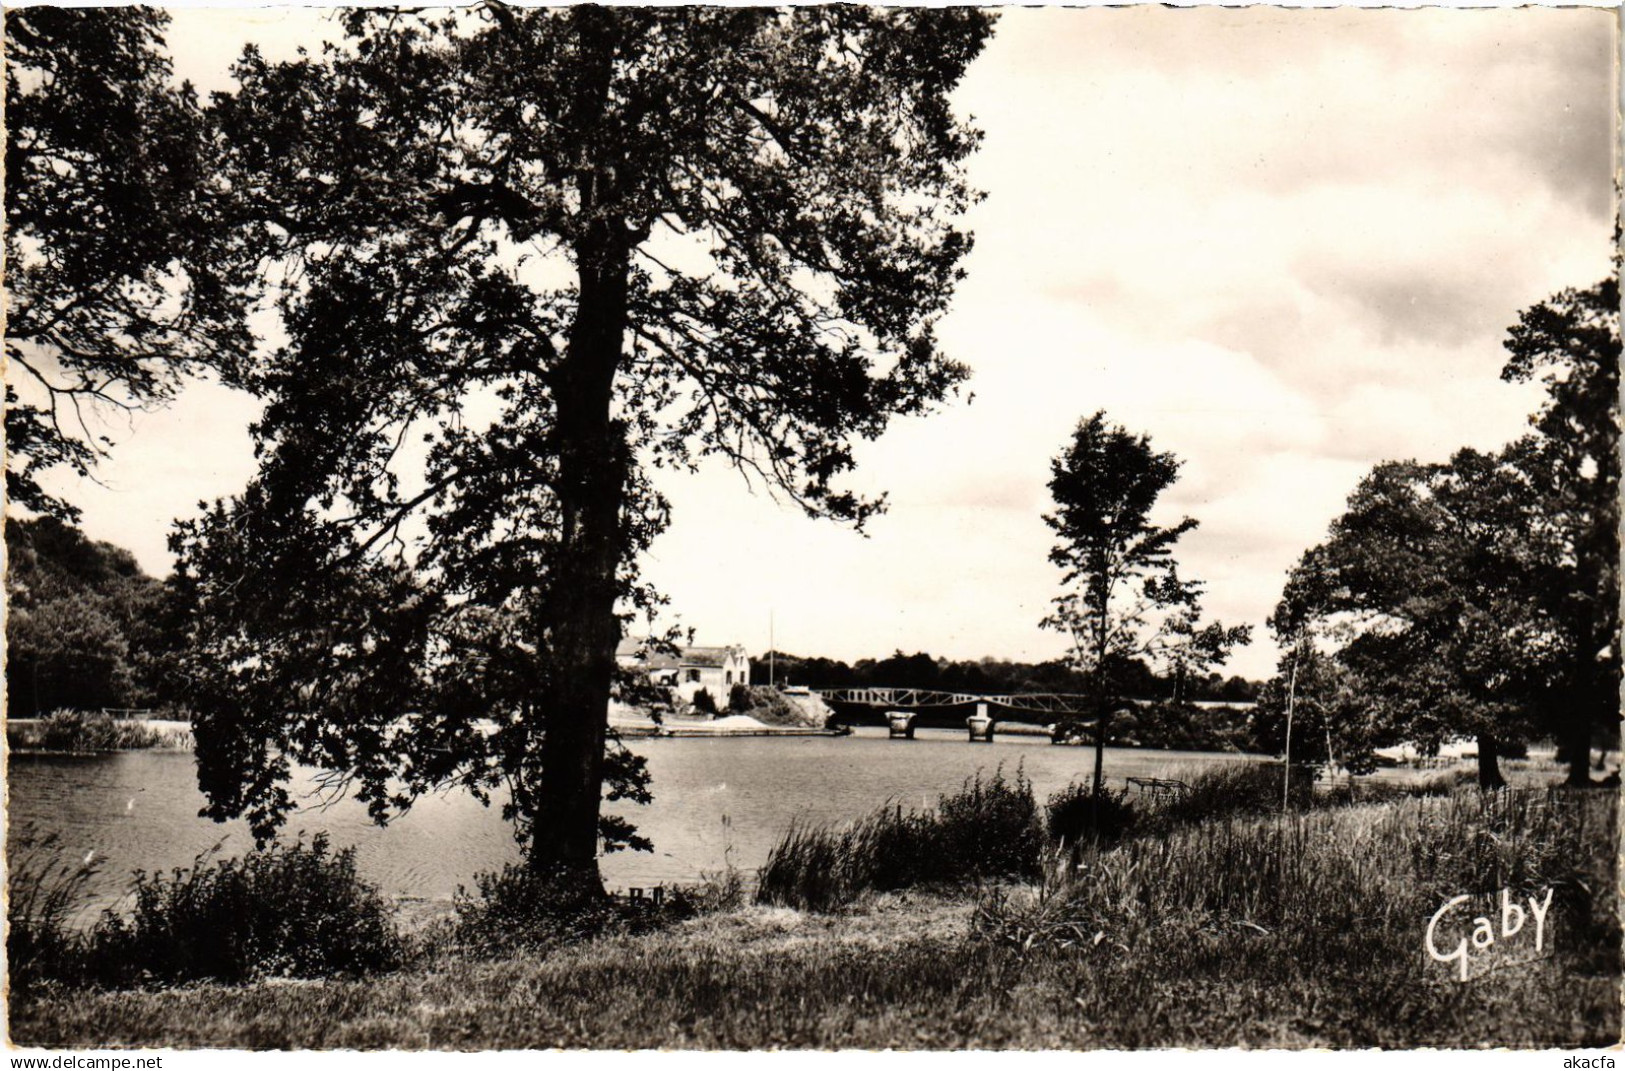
(526, 256)
(1122, 598)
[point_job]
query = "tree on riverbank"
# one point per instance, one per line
(1480, 597)
(529, 255)
(1122, 598)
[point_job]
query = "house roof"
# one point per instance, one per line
(706, 656)
(690, 656)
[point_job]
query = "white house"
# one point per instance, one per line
(714, 669)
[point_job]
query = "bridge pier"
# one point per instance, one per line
(901, 724)
(980, 725)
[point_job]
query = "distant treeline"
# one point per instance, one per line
(85, 627)
(990, 676)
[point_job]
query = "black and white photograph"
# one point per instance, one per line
(830, 527)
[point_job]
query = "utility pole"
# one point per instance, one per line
(1291, 696)
(770, 645)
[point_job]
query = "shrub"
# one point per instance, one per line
(717, 890)
(519, 907)
(766, 705)
(740, 698)
(989, 829)
(1234, 788)
(1076, 814)
(77, 730)
(704, 703)
(288, 910)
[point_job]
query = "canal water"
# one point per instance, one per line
(718, 801)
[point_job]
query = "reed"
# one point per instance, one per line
(989, 829)
(1319, 875)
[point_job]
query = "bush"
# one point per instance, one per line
(518, 907)
(1076, 814)
(1233, 788)
(740, 698)
(521, 908)
(704, 703)
(989, 829)
(76, 730)
(289, 910)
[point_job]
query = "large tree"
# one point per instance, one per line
(115, 285)
(1122, 598)
(1481, 597)
(1570, 344)
(526, 256)
(1419, 583)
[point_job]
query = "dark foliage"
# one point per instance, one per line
(1483, 592)
(704, 703)
(1238, 788)
(987, 676)
(294, 911)
(44, 892)
(115, 278)
(85, 627)
(1075, 815)
(519, 907)
(73, 730)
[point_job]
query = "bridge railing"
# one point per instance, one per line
(1054, 703)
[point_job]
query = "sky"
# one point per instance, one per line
(1285, 244)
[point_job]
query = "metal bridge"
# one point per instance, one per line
(1026, 703)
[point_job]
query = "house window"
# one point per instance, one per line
(694, 675)
(728, 677)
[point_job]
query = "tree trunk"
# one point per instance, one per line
(1489, 767)
(1100, 748)
(578, 617)
(1576, 739)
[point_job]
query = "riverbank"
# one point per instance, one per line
(1303, 930)
(68, 732)
(632, 724)
(901, 971)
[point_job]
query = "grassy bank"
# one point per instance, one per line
(1304, 929)
(899, 972)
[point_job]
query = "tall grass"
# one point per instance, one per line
(46, 891)
(1236, 788)
(1325, 877)
(989, 829)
